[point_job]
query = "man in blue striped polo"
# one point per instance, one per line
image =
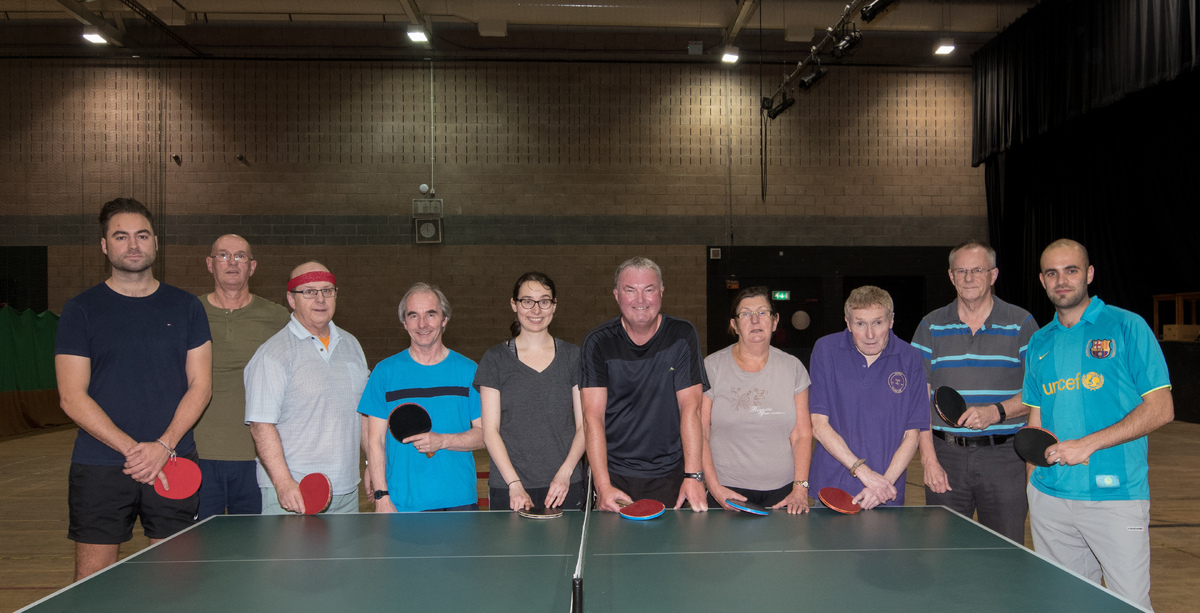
(976, 345)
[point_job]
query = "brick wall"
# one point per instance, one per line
(565, 167)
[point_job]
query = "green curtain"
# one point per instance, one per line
(27, 350)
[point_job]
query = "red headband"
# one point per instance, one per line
(311, 277)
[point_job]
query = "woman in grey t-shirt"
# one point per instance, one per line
(532, 416)
(757, 433)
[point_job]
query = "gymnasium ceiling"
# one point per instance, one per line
(776, 31)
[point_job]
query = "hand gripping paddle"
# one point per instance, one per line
(183, 477)
(641, 510)
(541, 512)
(838, 500)
(317, 493)
(949, 404)
(407, 420)
(746, 506)
(1031, 443)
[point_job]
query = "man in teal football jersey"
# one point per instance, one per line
(1097, 379)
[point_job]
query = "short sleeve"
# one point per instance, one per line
(803, 381)
(923, 342)
(689, 365)
(71, 337)
(487, 374)
(198, 331)
(372, 402)
(266, 381)
(1145, 360)
(819, 396)
(593, 368)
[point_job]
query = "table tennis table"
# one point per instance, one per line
(888, 559)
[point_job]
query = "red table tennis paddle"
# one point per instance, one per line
(838, 500)
(317, 492)
(949, 404)
(746, 506)
(409, 419)
(641, 510)
(183, 477)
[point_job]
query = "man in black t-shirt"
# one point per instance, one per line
(133, 358)
(642, 379)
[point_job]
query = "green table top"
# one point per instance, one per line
(891, 559)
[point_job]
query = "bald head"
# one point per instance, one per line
(307, 267)
(1065, 244)
(233, 244)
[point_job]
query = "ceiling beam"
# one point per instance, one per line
(413, 11)
(745, 9)
(153, 20)
(89, 18)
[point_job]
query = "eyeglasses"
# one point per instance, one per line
(961, 273)
(545, 303)
(238, 257)
(749, 314)
(310, 293)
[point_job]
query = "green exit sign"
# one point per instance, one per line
(781, 295)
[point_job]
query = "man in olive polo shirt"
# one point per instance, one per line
(240, 322)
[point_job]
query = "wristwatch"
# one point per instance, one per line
(699, 476)
(803, 484)
(379, 494)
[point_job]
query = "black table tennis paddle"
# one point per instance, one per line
(949, 404)
(1031, 443)
(409, 419)
(745, 506)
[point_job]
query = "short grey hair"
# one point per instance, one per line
(639, 263)
(420, 286)
(866, 297)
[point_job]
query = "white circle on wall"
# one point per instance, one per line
(428, 230)
(801, 320)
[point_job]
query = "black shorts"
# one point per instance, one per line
(104, 501)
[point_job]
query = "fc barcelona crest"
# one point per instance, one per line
(1101, 349)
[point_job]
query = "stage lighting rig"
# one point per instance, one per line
(872, 10)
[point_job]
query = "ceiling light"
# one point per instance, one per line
(944, 47)
(93, 37)
(417, 34)
(730, 55)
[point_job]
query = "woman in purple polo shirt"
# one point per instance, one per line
(757, 433)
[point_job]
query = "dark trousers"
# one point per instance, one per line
(762, 498)
(663, 489)
(229, 486)
(987, 480)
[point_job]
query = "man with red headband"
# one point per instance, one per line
(302, 391)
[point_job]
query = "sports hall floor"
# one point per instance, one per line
(36, 558)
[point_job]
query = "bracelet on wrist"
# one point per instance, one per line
(170, 451)
(854, 469)
(513, 481)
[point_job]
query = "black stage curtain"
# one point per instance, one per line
(1124, 181)
(1064, 58)
(1087, 115)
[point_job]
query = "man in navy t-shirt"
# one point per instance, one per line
(642, 380)
(133, 358)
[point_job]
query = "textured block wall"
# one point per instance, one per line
(565, 167)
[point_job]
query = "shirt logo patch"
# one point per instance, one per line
(897, 382)
(1100, 349)
(1093, 381)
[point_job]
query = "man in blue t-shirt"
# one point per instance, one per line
(429, 374)
(1096, 378)
(133, 358)
(642, 380)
